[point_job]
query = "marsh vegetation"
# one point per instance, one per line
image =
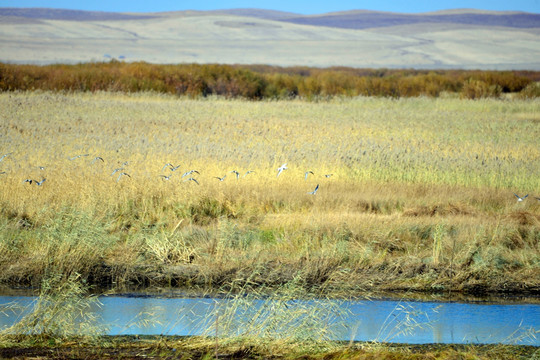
(421, 195)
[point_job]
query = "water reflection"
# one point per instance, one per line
(392, 321)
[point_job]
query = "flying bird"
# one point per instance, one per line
(307, 173)
(97, 158)
(281, 168)
(328, 175)
(28, 181)
(248, 172)
(165, 177)
(174, 168)
(220, 178)
(519, 198)
(190, 172)
(167, 165)
(237, 174)
(123, 173)
(314, 191)
(40, 182)
(192, 179)
(116, 170)
(78, 156)
(4, 156)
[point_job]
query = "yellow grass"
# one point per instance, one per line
(415, 183)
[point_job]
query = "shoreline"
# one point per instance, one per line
(166, 347)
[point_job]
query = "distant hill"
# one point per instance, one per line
(68, 15)
(455, 38)
(366, 20)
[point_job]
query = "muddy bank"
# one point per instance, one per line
(376, 281)
(149, 347)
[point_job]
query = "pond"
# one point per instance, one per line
(415, 322)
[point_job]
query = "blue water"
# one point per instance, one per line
(379, 320)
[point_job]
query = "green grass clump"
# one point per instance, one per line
(63, 310)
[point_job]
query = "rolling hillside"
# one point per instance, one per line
(464, 38)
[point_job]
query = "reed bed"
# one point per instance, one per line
(419, 193)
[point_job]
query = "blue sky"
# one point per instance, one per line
(298, 6)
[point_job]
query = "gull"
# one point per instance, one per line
(220, 178)
(3, 156)
(166, 177)
(248, 172)
(307, 173)
(97, 158)
(38, 183)
(41, 182)
(78, 156)
(175, 168)
(190, 172)
(328, 175)
(314, 191)
(192, 179)
(281, 168)
(169, 165)
(237, 174)
(123, 173)
(41, 167)
(519, 198)
(116, 170)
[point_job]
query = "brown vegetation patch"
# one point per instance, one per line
(262, 82)
(439, 210)
(524, 218)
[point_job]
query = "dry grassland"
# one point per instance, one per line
(420, 197)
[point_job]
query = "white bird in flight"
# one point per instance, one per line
(78, 156)
(190, 172)
(519, 198)
(38, 183)
(4, 156)
(281, 168)
(116, 170)
(97, 158)
(248, 172)
(123, 173)
(314, 191)
(237, 174)
(192, 179)
(307, 173)
(167, 165)
(220, 178)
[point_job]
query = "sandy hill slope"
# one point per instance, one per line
(460, 38)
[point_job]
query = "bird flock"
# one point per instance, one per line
(188, 176)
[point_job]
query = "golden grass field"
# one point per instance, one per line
(421, 195)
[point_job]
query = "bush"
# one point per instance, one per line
(530, 92)
(477, 89)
